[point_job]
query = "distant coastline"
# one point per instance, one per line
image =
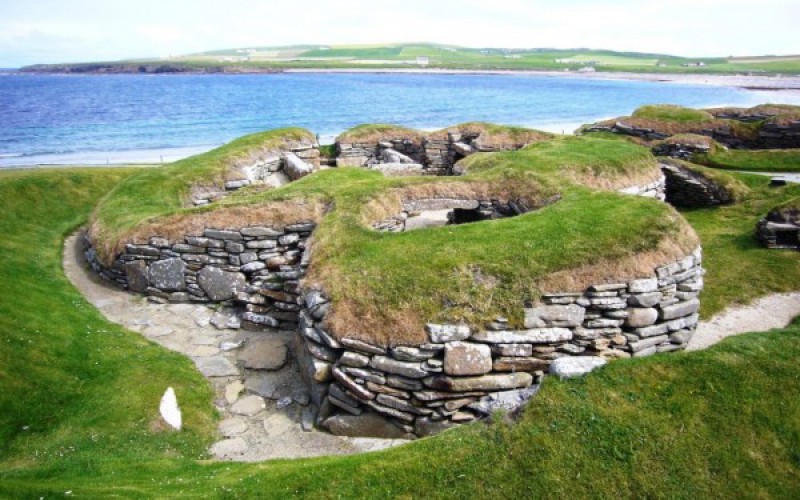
(789, 83)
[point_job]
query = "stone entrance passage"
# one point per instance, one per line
(261, 396)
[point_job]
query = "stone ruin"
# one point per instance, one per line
(402, 152)
(458, 374)
(780, 229)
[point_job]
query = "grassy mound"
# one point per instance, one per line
(374, 132)
(468, 273)
(672, 113)
(493, 135)
(740, 124)
(160, 191)
(691, 139)
(80, 394)
(591, 161)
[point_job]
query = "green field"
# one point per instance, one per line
(454, 57)
(768, 160)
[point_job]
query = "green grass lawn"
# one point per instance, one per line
(768, 160)
(80, 395)
(738, 268)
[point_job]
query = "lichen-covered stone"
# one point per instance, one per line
(639, 317)
(440, 334)
(168, 275)
(403, 368)
(534, 336)
(264, 353)
(466, 358)
(569, 315)
(575, 366)
(680, 309)
(491, 382)
(137, 276)
(220, 285)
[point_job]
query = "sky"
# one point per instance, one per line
(52, 31)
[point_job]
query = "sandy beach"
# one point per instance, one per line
(751, 82)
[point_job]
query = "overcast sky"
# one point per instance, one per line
(49, 31)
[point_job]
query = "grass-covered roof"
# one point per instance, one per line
(385, 286)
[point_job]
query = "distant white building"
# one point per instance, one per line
(423, 60)
(587, 69)
(699, 64)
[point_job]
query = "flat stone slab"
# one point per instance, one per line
(231, 427)
(575, 366)
(201, 351)
(233, 390)
(467, 358)
(216, 367)
(365, 425)
(229, 448)
(158, 331)
(248, 406)
(264, 353)
(533, 336)
(219, 284)
(493, 382)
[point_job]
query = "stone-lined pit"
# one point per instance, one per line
(434, 212)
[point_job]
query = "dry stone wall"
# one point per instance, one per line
(259, 268)
(462, 374)
(458, 375)
(685, 149)
(433, 155)
(365, 153)
(774, 133)
(686, 188)
(271, 168)
(779, 229)
(655, 189)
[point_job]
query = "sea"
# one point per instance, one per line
(116, 119)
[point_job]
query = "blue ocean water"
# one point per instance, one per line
(111, 119)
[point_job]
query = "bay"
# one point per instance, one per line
(93, 119)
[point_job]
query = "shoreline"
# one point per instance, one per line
(753, 83)
(768, 83)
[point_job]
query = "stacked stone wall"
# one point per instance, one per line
(434, 155)
(686, 188)
(655, 189)
(771, 135)
(258, 268)
(366, 153)
(780, 229)
(460, 374)
(273, 168)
